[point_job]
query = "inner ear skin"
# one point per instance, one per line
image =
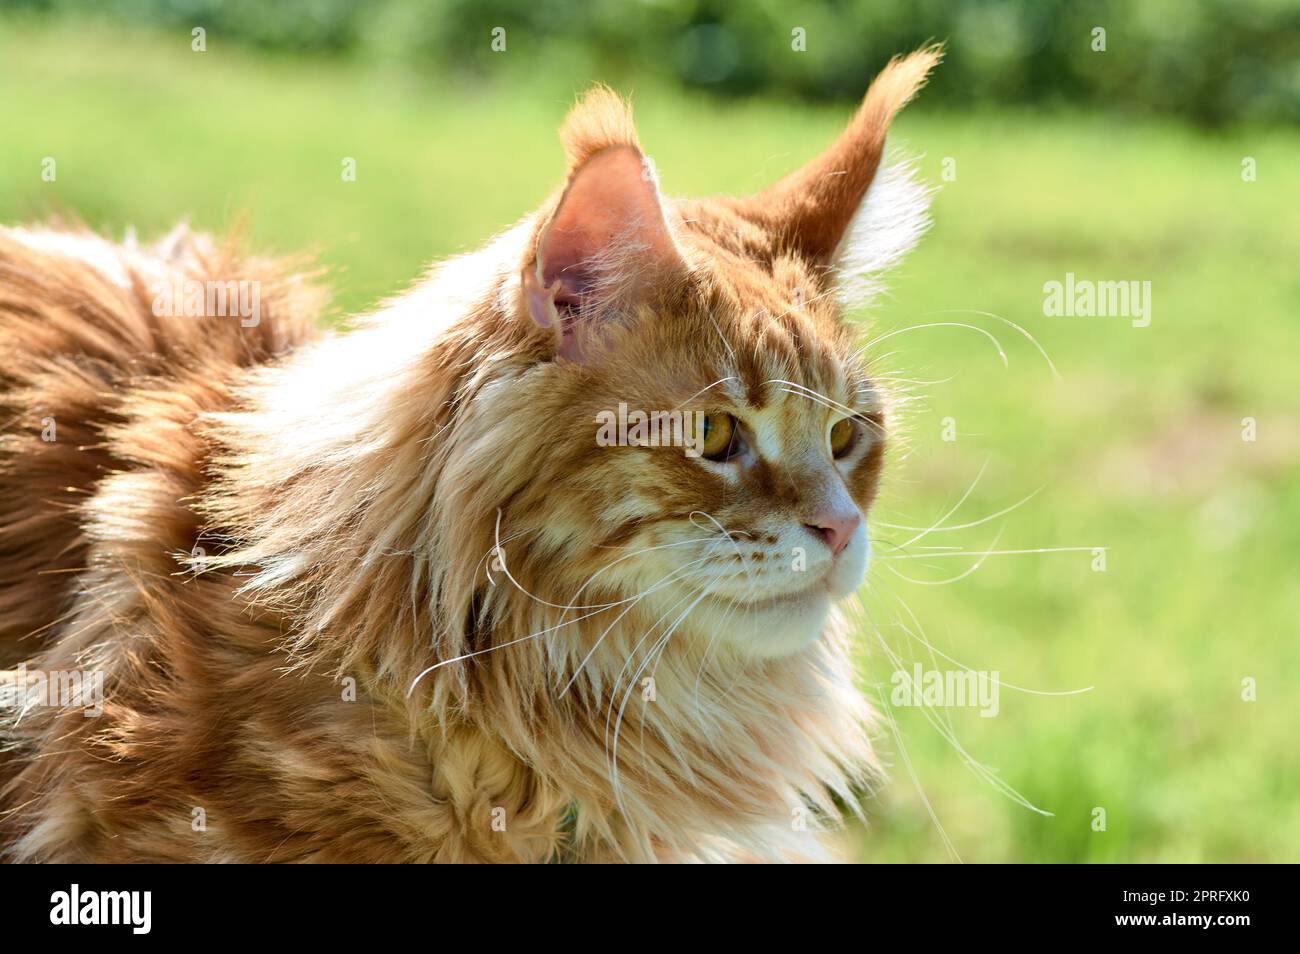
(606, 247)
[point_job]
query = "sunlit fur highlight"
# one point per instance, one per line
(241, 527)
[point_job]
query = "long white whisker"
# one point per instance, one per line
(962, 526)
(935, 650)
(632, 686)
(968, 553)
(942, 324)
(955, 507)
(952, 579)
(537, 599)
(876, 428)
(707, 387)
(671, 577)
(628, 556)
(489, 649)
(1008, 321)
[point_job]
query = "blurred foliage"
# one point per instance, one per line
(1211, 61)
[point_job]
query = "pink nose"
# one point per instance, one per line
(835, 527)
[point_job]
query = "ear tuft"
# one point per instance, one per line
(605, 243)
(600, 119)
(900, 81)
(810, 209)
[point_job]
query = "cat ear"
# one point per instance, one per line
(608, 240)
(811, 209)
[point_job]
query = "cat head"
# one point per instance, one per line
(701, 416)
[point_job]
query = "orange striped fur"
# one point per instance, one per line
(380, 595)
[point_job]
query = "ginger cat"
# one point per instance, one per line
(383, 595)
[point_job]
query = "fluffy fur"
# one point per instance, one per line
(379, 596)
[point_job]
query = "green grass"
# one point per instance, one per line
(1136, 448)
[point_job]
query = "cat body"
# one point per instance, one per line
(382, 596)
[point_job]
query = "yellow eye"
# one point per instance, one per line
(719, 429)
(842, 436)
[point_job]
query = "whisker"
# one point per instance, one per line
(960, 665)
(728, 534)
(614, 774)
(629, 556)
(953, 579)
(963, 526)
(818, 398)
(926, 556)
(631, 601)
(707, 387)
(942, 324)
(955, 507)
(977, 768)
(663, 582)
(1008, 321)
(480, 652)
(537, 599)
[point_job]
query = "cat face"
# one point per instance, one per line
(722, 435)
(726, 454)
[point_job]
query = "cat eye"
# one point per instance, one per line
(719, 436)
(842, 436)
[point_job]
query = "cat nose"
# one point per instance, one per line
(835, 527)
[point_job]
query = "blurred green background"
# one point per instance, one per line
(1118, 165)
